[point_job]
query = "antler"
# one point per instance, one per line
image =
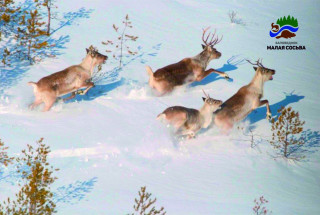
(93, 50)
(213, 40)
(207, 95)
(258, 62)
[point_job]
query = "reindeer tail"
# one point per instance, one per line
(161, 116)
(31, 83)
(149, 71)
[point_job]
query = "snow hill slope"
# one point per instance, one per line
(110, 140)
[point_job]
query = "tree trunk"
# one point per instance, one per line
(286, 141)
(285, 149)
(29, 52)
(49, 20)
(121, 44)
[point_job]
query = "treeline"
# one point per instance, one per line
(26, 30)
(287, 21)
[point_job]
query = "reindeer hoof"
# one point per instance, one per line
(80, 92)
(227, 77)
(191, 136)
(269, 115)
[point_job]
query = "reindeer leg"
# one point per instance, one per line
(190, 134)
(49, 98)
(209, 71)
(48, 104)
(186, 132)
(266, 102)
(204, 74)
(37, 102)
(70, 97)
(223, 74)
(89, 85)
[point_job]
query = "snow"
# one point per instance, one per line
(111, 137)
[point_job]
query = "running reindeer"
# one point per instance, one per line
(245, 100)
(188, 70)
(187, 121)
(69, 80)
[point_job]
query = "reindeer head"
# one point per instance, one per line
(212, 103)
(97, 58)
(208, 46)
(266, 73)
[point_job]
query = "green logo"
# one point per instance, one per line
(285, 27)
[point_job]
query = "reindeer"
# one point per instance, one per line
(187, 121)
(188, 70)
(245, 100)
(69, 80)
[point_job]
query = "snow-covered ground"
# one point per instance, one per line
(110, 140)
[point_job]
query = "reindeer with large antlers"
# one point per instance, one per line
(188, 70)
(247, 99)
(188, 121)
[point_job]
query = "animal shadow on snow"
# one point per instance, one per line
(75, 192)
(232, 64)
(112, 78)
(260, 113)
(11, 75)
(98, 90)
(72, 18)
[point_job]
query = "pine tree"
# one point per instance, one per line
(7, 19)
(49, 4)
(279, 21)
(285, 130)
(5, 159)
(284, 20)
(7, 23)
(296, 23)
(5, 56)
(35, 196)
(288, 18)
(121, 43)
(33, 37)
(144, 204)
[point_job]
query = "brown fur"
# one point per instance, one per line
(244, 101)
(188, 121)
(188, 70)
(49, 88)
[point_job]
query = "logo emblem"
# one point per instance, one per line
(284, 28)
